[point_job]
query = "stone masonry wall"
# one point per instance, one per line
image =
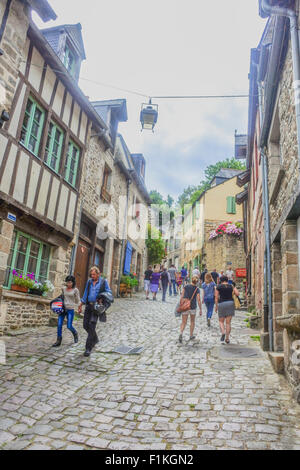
(288, 144)
(221, 250)
(13, 45)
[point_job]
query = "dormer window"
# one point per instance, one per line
(69, 61)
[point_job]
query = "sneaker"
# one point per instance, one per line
(192, 338)
(227, 341)
(208, 322)
(87, 353)
(222, 338)
(180, 338)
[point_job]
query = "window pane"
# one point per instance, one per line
(34, 249)
(32, 263)
(43, 269)
(46, 252)
(20, 262)
(22, 244)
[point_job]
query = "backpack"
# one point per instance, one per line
(57, 305)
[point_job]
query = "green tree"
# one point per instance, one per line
(155, 245)
(156, 197)
(192, 193)
(231, 163)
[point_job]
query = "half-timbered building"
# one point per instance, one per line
(42, 149)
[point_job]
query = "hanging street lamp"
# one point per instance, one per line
(149, 114)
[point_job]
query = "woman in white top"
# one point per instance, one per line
(71, 301)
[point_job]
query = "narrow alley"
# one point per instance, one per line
(171, 396)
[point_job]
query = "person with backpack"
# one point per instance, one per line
(165, 281)
(192, 293)
(94, 287)
(71, 300)
(209, 287)
(225, 306)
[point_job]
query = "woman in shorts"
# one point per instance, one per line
(190, 291)
(225, 307)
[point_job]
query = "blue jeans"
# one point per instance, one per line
(164, 291)
(61, 318)
(210, 303)
(173, 283)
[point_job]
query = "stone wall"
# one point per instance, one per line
(219, 251)
(288, 147)
(13, 45)
(19, 310)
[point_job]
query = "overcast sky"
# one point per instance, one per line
(170, 47)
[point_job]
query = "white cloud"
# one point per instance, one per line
(169, 47)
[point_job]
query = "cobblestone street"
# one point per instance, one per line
(195, 395)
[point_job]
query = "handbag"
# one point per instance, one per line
(185, 304)
(237, 303)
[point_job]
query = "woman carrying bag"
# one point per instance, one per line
(71, 300)
(188, 306)
(225, 306)
(209, 296)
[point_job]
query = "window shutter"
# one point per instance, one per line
(231, 205)
(228, 205)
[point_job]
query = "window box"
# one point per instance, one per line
(35, 292)
(17, 288)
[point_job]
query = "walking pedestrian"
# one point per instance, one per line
(225, 307)
(165, 282)
(190, 291)
(230, 274)
(202, 276)
(215, 276)
(179, 281)
(148, 274)
(71, 302)
(154, 281)
(94, 287)
(209, 287)
(184, 274)
(172, 272)
(196, 272)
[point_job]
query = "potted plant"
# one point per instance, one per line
(41, 288)
(123, 285)
(20, 282)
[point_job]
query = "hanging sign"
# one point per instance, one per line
(241, 272)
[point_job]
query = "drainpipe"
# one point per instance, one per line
(268, 280)
(123, 239)
(268, 305)
(293, 17)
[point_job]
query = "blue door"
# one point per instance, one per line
(128, 256)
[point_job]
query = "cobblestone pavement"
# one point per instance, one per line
(195, 395)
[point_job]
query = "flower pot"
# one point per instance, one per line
(123, 289)
(35, 292)
(17, 288)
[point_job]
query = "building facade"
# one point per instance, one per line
(272, 207)
(214, 207)
(48, 140)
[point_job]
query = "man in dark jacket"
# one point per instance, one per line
(95, 286)
(165, 282)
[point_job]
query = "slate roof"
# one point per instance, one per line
(228, 173)
(74, 33)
